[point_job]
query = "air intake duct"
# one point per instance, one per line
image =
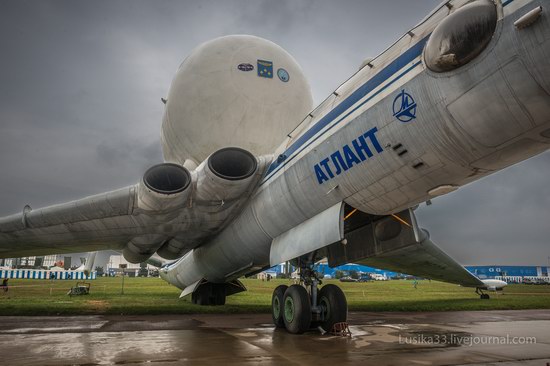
(225, 175)
(232, 163)
(164, 187)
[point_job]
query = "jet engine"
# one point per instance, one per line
(224, 176)
(163, 188)
(219, 182)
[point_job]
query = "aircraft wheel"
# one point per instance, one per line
(296, 309)
(277, 308)
(484, 296)
(218, 294)
(335, 306)
(201, 296)
(219, 299)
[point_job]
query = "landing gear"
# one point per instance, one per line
(334, 307)
(482, 295)
(300, 307)
(277, 301)
(209, 294)
(296, 309)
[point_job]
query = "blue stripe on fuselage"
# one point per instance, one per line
(304, 140)
(386, 73)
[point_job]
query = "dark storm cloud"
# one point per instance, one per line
(80, 110)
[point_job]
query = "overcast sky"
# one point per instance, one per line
(80, 110)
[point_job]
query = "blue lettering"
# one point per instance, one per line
(324, 163)
(371, 135)
(321, 176)
(351, 158)
(338, 162)
(361, 146)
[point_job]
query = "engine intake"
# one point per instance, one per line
(167, 178)
(164, 187)
(225, 176)
(232, 163)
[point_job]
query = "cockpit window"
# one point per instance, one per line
(461, 36)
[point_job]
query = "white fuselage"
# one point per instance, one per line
(494, 285)
(468, 123)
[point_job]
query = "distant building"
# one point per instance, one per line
(55, 273)
(131, 269)
(507, 273)
(510, 273)
(328, 272)
(45, 261)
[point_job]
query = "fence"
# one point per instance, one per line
(39, 274)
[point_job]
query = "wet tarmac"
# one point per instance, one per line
(429, 338)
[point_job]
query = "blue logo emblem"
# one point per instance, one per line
(283, 75)
(265, 69)
(404, 107)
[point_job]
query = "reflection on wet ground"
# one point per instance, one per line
(503, 337)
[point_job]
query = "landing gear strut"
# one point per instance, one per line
(482, 295)
(300, 307)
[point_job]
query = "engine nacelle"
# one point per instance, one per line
(141, 248)
(219, 181)
(164, 187)
(224, 176)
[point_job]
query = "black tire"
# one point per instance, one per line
(277, 309)
(335, 305)
(485, 296)
(219, 299)
(218, 294)
(296, 309)
(200, 296)
(209, 294)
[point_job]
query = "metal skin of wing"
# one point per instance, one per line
(171, 211)
(422, 119)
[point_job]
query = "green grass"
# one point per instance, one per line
(154, 296)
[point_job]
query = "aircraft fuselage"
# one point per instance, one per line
(394, 135)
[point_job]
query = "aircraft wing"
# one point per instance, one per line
(395, 242)
(94, 223)
(425, 260)
(169, 212)
(411, 251)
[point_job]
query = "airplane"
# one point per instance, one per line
(253, 176)
(490, 285)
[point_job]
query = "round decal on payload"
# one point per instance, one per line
(283, 75)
